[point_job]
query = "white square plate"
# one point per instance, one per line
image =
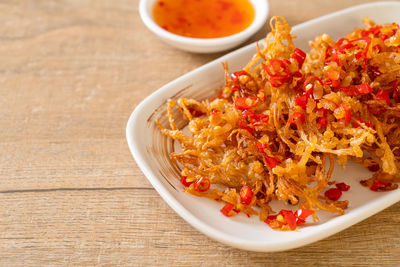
(151, 149)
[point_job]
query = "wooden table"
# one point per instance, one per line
(70, 193)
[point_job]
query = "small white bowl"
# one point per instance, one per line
(203, 45)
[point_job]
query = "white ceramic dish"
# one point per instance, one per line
(150, 149)
(200, 45)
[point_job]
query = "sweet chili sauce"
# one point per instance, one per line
(203, 18)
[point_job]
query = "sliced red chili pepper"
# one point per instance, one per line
(333, 194)
(243, 103)
(331, 52)
(367, 40)
(302, 214)
(262, 147)
(185, 182)
(299, 56)
(255, 118)
(333, 83)
(290, 218)
(277, 80)
(323, 122)
(308, 81)
(243, 124)
(383, 95)
(278, 71)
(345, 47)
(272, 217)
(202, 185)
(377, 48)
(259, 119)
(271, 220)
(383, 37)
(272, 162)
(375, 30)
(246, 195)
(301, 101)
(361, 89)
(276, 67)
(347, 113)
(359, 55)
(343, 186)
(298, 74)
(235, 75)
(235, 88)
(356, 124)
(296, 116)
(226, 210)
(214, 111)
(379, 185)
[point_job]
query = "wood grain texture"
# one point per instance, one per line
(70, 193)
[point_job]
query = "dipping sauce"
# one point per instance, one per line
(203, 18)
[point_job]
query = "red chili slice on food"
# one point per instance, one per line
(357, 124)
(347, 113)
(272, 162)
(296, 116)
(276, 67)
(185, 182)
(379, 185)
(255, 118)
(236, 74)
(243, 124)
(246, 195)
(299, 56)
(333, 194)
(343, 186)
(383, 95)
(290, 218)
(323, 122)
(202, 185)
(310, 91)
(302, 214)
(279, 71)
(243, 103)
(262, 147)
(361, 89)
(301, 101)
(226, 210)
